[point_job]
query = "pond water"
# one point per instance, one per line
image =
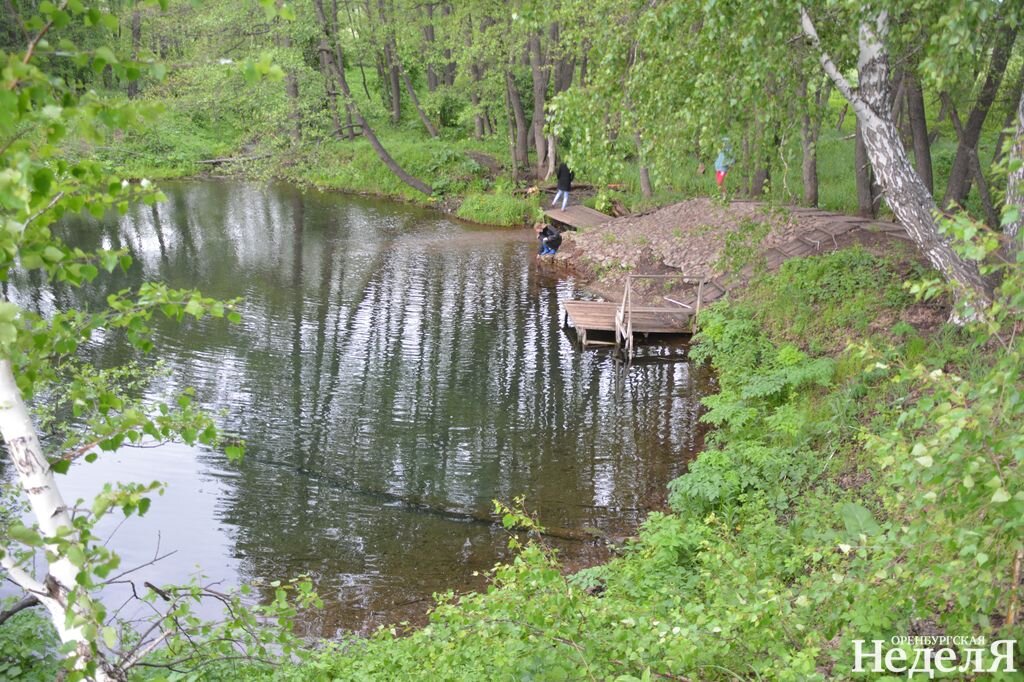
(393, 373)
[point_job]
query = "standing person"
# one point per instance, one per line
(723, 163)
(565, 177)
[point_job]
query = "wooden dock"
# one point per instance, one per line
(575, 217)
(624, 319)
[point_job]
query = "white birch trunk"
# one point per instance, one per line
(50, 512)
(902, 188)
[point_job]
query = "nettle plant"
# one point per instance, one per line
(53, 553)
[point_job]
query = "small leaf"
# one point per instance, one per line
(1000, 496)
(109, 636)
(27, 536)
(76, 555)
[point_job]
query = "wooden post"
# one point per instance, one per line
(700, 294)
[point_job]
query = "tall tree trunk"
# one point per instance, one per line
(584, 63)
(520, 152)
(1012, 231)
(391, 61)
(291, 88)
(809, 148)
(51, 516)
(391, 57)
(904, 192)
(332, 92)
(1011, 116)
(919, 131)
(489, 122)
(133, 86)
(864, 176)
(449, 65)
(512, 136)
(974, 167)
(958, 184)
(645, 172)
(431, 130)
(541, 76)
(429, 37)
(339, 74)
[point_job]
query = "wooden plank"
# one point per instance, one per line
(600, 316)
(577, 216)
(797, 248)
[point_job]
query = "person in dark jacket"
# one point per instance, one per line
(550, 240)
(565, 177)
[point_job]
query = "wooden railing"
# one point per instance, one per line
(624, 314)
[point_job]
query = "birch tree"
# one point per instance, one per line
(904, 191)
(55, 556)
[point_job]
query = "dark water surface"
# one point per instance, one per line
(394, 372)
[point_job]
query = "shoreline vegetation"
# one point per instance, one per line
(858, 507)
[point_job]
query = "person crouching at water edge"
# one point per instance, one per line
(550, 239)
(565, 177)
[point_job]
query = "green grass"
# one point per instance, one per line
(498, 209)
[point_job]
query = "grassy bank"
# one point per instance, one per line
(471, 178)
(861, 483)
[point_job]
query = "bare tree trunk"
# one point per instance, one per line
(489, 122)
(133, 86)
(1011, 116)
(391, 62)
(428, 36)
(919, 132)
(541, 76)
(551, 157)
(520, 153)
(474, 97)
(332, 93)
(645, 172)
(809, 148)
(431, 130)
(1015, 190)
(512, 136)
(864, 176)
(52, 518)
(904, 192)
(585, 49)
(842, 116)
(450, 65)
(974, 168)
(958, 185)
(339, 74)
(291, 88)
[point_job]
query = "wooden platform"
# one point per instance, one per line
(578, 216)
(599, 316)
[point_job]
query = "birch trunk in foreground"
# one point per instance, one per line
(51, 514)
(902, 188)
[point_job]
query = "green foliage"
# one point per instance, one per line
(29, 648)
(497, 209)
(821, 302)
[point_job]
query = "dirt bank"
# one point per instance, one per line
(700, 238)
